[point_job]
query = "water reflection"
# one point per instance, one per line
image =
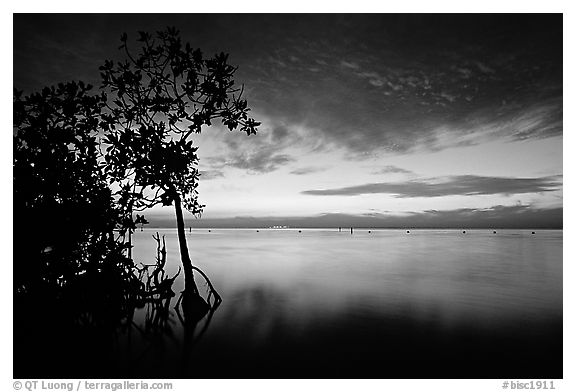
(114, 339)
(327, 305)
(434, 304)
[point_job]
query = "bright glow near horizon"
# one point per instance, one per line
(278, 193)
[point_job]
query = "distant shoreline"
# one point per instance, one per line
(347, 228)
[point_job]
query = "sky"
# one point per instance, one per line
(376, 120)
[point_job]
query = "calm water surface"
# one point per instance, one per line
(385, 304)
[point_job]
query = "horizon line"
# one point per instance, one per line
(366, 227)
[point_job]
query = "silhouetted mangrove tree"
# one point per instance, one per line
(163, 94)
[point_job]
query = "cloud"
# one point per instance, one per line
(307, 170)
(265, 152)
(499, 216)
(349, 64)
(369, 84)
(392, 169)
(544, 120)
(210, 174)
(518, 216)
(484, 68)
(372, 115)
(258, 162)
(372, 96)
(465, 185)
(280, 133)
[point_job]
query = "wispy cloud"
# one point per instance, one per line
(258, 154)
(211, 174)
(347, 80)
(349, 64)
(465, 185)
(391, 169)
(370, 96)
(259, 162)
(307, 170)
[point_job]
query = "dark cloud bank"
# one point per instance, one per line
(465, 185)
(510, 217)
(363, 83)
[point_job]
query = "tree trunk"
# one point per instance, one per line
(189, 284)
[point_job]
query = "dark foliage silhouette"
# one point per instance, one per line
(164, 94)
(141, 220)
(83, 165)
(76, 274)
(57, 181)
